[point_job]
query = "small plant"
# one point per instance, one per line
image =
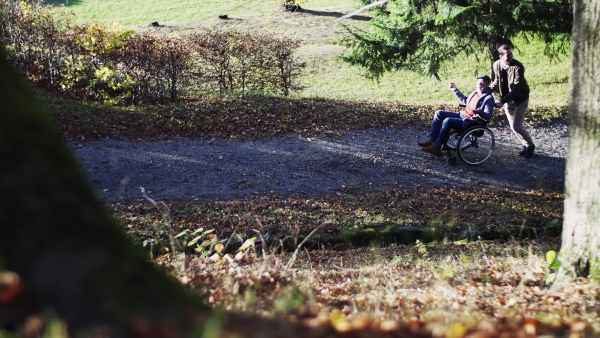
(554, 263)
(151, 243)
(218, 248)
(448, 273)
(109, 88)
(204, 247)
(422, 249)
(290, 301)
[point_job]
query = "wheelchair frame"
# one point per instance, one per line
(474, 145)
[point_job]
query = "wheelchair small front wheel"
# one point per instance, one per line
(476, 145)
(452, 160)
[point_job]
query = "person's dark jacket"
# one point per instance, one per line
(518, 90)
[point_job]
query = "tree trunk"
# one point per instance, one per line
(580, 252)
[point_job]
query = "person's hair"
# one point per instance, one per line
(503, 48)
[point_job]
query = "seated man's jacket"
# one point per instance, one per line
(485, 105)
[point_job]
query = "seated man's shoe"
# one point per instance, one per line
(529, 151)
(523, 151)
(425, 144)
(432, 150)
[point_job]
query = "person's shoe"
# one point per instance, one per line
(529, 151)
(523, 151)
(432, 150)
(425, 143)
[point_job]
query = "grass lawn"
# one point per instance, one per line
(324, 76)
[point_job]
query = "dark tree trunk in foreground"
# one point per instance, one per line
(70, 254)
(580, 252)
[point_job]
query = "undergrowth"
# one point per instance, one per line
(249, 117)
(383, 218)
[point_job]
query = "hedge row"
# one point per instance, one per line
(115, 65)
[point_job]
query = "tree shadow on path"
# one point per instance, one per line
(358, 162)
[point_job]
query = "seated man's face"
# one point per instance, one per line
(482, 85)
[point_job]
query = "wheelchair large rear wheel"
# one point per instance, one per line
(476, 145)
(453, 138)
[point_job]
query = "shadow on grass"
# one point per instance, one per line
(335, 15)
(66, 3)
(252, 117)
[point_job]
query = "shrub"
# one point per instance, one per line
(157, 65)
(114, 65)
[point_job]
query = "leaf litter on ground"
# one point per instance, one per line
(444, 288)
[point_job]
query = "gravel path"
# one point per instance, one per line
(355, 163)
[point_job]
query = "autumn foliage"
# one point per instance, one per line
(114, 65)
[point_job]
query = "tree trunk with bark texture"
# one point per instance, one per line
(580, 252)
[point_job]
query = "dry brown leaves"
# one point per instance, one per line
(492, 210)
(250, 117)
(437, 290)
(444, 290)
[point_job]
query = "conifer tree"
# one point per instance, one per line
(420, 35)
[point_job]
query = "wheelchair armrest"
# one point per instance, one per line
(480, 120)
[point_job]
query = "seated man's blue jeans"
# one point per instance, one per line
(443, 122)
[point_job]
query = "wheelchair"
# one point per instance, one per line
(474, 144)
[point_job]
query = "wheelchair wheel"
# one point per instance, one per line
(452, 139)
(476, 145)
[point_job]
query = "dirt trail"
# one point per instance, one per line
(355, 163)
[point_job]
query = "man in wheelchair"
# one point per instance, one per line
(480, 103)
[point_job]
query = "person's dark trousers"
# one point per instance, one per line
(443, 122)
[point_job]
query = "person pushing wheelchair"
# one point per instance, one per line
(481, 102)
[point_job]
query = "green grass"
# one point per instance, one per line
(547, 78)
(324, 77)
(135, 13)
